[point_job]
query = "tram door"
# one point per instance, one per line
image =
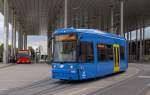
(116, 52)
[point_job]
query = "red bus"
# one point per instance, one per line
(23, 56)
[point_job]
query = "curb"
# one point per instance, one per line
(7, 66)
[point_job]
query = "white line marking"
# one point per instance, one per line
(3, 89)
(144, 76)
(78, 91)
(18, 81)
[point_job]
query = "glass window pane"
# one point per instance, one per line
(65, 51)
(109, 50)
(122, 56)
(101, 52)
(104, 52)
(86, 52)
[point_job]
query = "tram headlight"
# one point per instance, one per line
(61, 66)
(71, 67)
(54, 66)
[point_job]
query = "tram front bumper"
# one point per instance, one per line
(64, 74)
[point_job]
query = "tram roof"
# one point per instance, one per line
(87, 31)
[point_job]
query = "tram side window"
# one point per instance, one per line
(109, 52)
(104, 52)
(101, 52)
(122, 50)
(86, 52)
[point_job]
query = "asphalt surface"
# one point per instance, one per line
(18, 75)
(136, 85)
(135, 81)
(5, 65)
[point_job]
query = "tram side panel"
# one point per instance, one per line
(87, 67)
(124, 56)
(105, 64)
(106, 55)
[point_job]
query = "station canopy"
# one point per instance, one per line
(41, 16)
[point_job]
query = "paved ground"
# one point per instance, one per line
(33, 79)
(12, 76)
(25, 74)
(5, 65)
(137, 85)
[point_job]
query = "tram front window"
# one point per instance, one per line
(65, 48)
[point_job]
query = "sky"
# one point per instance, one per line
(34, 41)
(38, 41)
(133, 34)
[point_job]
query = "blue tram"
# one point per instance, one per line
(81, 54)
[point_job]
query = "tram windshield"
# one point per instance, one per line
(65, 48)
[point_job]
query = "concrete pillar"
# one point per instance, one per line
(122, 17)
(136, 42)
(6, 31)
(105, 21)
(86, 19)
(140, 55)
(20, 38)
(66, 14)
(128, 36)
(82, 21)
(102, 22)
(143, 37)
(130, 56)
(112, 20)
(50, 46)
(14, 35)
(24, 41)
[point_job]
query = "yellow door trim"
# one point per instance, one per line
(116, 58)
